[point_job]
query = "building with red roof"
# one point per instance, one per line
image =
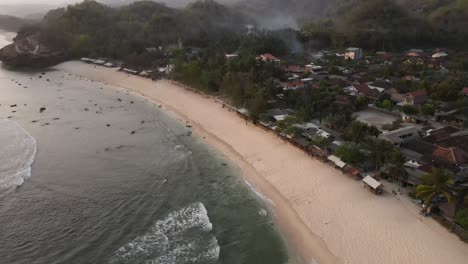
(415, 98)
(267, 57)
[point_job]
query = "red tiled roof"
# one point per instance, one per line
(352, 171)
(440, 134)
(454, 156)
(465, 91)
(268, 56)
(294, 84)
(412, 54)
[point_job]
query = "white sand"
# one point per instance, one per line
(324, 214)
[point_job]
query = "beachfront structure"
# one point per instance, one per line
(337, 161)
(353, 54)
(130, 71)
(87, 60)
(372, 184)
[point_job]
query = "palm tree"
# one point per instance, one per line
(435, 183)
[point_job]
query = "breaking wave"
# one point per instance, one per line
(17, 152)
(182, 237)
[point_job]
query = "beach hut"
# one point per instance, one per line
(130, 71)
(87, 60)
(372, 184)
(337, 161)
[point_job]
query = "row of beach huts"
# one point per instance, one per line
(151, 74)
(369, 182)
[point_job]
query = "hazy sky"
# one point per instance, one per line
(53, 2)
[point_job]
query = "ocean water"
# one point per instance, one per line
(18, 149)
(105, 176)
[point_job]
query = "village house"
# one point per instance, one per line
(371, 92)
(353, 54)
(395, 96)
(293, 85)
(415, 98)
(445, 147)
(313, 68)
(267, 57)
(400, 135)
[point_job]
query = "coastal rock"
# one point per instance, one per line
(28, 50)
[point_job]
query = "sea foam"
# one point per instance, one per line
(182, 237)
(17, 153)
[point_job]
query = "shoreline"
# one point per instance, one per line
(325, 216)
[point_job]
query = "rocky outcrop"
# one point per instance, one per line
(27, 50)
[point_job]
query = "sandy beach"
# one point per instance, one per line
(325, 216)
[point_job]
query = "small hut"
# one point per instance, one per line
(372, 184)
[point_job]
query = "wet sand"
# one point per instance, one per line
(325, 216)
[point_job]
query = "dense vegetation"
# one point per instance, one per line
(91, 28)
(390, 24)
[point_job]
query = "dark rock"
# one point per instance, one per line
(42, 109)
(133, 132)
(14, 105)
(28, 50)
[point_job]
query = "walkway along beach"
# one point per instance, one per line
(326, 216)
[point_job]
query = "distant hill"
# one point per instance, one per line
(449, 16)
(13, 24)
(25, 10)
(394, 24)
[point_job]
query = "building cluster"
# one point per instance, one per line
(428, 141)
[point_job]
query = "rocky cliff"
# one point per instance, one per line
(27, 50)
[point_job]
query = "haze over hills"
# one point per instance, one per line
(114, 30)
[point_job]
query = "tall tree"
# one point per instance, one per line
(435, 183)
